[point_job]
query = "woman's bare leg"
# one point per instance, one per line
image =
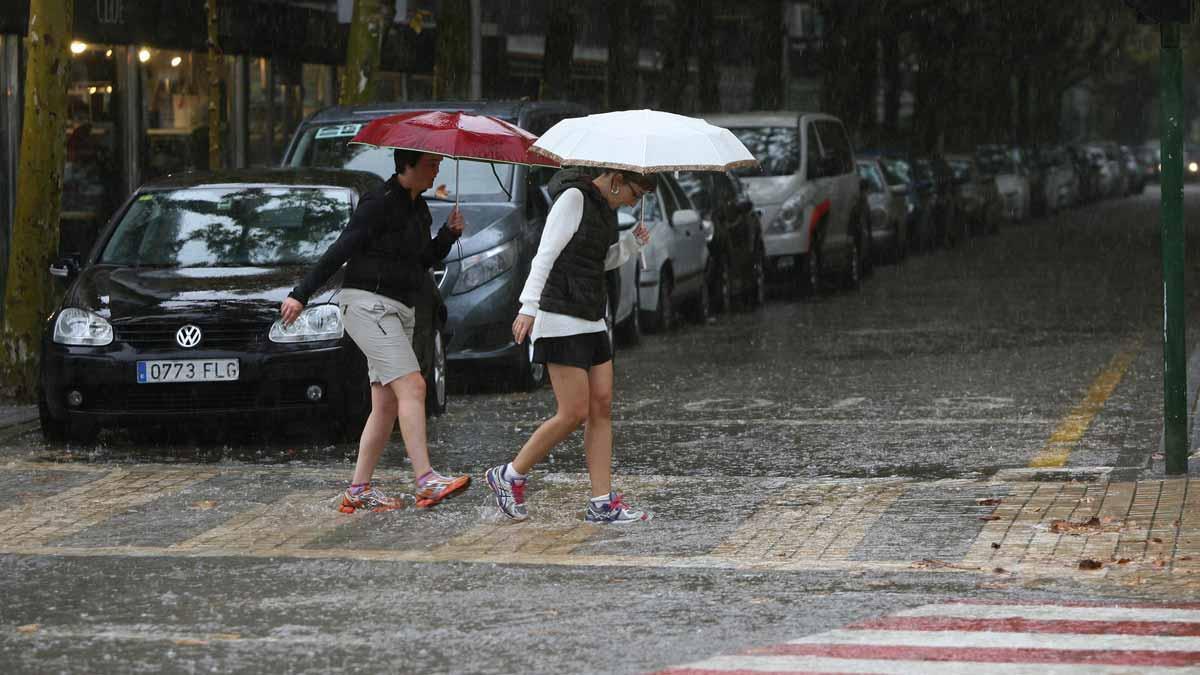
(375, 432)
(598, 437)
(571, 391)
(410, 396)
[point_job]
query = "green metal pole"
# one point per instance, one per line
(1175, 429)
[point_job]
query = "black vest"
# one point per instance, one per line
(575, 286)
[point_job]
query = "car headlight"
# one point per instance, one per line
(322, 322)
(481, 268)
(788, 219)
(76, 326)
(1193, 167)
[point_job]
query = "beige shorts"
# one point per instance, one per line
(383, 330)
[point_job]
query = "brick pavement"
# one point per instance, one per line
(1144, 533)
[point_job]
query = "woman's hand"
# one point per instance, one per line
(642, 234)
(456, 222)
(521, 327)
(290, 310)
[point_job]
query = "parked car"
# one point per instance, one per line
(1135, 177)
(1059, 183)
(808, 193)
(1090, 166)
(902, 180)
(889, 210)
(505, 210)
(736, 256)
(936, 180)
(669, 273)
(1150, 159)
(979, 199)
(1113, 180)
(1011, 180)
(174, 314)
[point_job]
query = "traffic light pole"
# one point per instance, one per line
(1175, 420)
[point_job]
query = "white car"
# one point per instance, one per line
(807, 191)
(1010, 180)
(889, 213)
(670, 271)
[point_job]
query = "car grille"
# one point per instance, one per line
(178, 397)
(161, 335)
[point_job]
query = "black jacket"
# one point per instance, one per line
(575, 285)
(387, 244)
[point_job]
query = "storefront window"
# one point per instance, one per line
(282, 93)
(175, 110)
(91, 178)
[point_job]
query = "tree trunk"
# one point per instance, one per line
(673, 78)
(623, 23)
(28, 292)
(893, 84)
(560, 50)
(362, 52)
(452, 62)
(708, 77)
(768, 57)
(215, 64)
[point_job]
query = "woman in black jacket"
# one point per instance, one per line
(387, 250)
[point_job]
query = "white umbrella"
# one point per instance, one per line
(643, 141)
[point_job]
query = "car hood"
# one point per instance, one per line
(766, 190)
(488, 226)
(243, 293)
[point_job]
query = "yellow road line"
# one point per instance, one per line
(1064, 439)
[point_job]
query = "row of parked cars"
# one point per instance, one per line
(174, 312)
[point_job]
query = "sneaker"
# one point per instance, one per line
(371, 499)
(510, 495)
(440, 488)
(615, 511)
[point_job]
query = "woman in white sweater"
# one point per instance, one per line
(562, 311)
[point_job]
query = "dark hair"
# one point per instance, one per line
(405, 159)
(645, 181)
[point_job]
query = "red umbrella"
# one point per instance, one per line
(458, 135)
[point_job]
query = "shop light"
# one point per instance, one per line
(176, 61)
(143, 55)
(108, 89)
(91, 90)
(108, 54)
(78, 47)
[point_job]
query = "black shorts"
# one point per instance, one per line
(580, 351)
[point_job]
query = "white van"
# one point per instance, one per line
(807, 191)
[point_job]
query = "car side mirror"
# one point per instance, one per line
(684, 218)
(66, 267)
(625, 220)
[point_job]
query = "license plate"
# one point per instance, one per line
(194, 370)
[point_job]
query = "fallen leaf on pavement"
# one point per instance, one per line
(988, 501)
(995, 544)
(1089, 564)
(1123, 561)
(204, 504)
(999, 570)
(29, 628)
(1157, 540)
(1088, 526)
(190, 642)
(226, 636)
(989, 517)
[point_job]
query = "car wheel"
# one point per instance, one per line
(757, 295)
(810, 271)
(852, 277)
(435, 381)
(722, 286)
(663, 318)
(527, 374)
(630, 332)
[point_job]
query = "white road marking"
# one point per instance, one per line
(961, 639)
(1054, 613)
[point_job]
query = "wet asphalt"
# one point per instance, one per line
(954, 364)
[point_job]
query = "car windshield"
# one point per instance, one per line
(777, 150)
(329, 146)
(896, 171)
(229, 227)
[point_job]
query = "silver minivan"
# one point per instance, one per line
(807, 191)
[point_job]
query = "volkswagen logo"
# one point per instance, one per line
(188, 336)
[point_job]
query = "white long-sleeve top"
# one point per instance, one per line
(561, 224)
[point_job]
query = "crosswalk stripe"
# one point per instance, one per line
(795, 665)
(1054, 612)
(987, 637)
(960, 638)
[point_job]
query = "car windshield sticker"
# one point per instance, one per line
(338, 131)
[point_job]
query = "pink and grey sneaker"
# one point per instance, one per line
(370, 499)
(510, 495)
(615, 511)
(437, 488)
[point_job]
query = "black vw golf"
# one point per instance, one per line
(174, 315)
